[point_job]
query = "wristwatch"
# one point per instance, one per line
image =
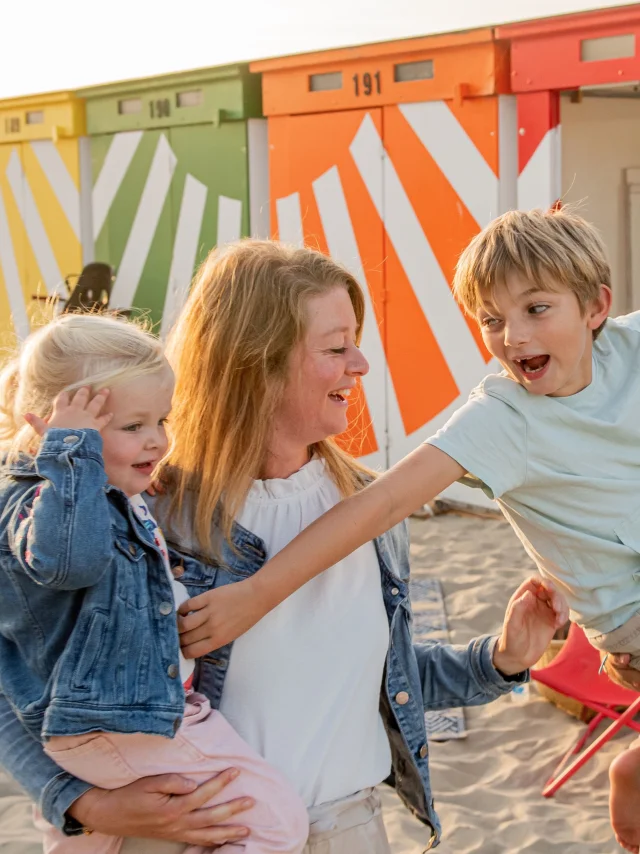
(72, 827)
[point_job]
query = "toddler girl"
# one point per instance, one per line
(89, 651)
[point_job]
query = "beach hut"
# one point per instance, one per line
(179, 165)
(391, 157)
(44, 214)
(576, 80)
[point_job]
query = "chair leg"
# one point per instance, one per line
(559, 779)
(574, 750)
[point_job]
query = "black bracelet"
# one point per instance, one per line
(72, 827)
(515, 677)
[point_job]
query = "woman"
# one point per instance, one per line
(328, 686)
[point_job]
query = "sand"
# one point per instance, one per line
(486, 786)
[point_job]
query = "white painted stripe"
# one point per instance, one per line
(114, 168)
(258, 139)
(290, 220)
(144, 225)
(229, 220)
(86, 212)
(33, 224)
(12, 276)
(418, 261)
(456, 156)
(341, 240)
(61, 181)
(507, 153)
(185, 249)
(539, 184)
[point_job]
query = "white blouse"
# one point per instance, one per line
(303, 685)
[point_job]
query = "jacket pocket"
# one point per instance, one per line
(196, 575)
(92, 646)
(132, 584)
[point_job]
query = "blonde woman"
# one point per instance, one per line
(328, 687)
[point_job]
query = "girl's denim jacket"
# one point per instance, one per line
(417, 677)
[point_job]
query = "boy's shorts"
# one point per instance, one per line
(624, 639)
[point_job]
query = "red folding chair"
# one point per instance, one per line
(574, 673)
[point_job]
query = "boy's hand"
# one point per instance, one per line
(217, 617)
(533, 614)
(80, 412)
(618, 670)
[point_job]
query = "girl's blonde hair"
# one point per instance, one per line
(72, 351)
(231, 351)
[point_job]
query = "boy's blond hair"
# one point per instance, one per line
(551, 249)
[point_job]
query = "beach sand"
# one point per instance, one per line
(487, 785)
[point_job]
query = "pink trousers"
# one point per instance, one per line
(204, 746)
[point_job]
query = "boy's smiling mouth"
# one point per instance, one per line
(532, 365)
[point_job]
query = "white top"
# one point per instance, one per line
(566, 473)
(303, 685)
(180, 594)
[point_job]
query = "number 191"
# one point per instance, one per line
(369, 84)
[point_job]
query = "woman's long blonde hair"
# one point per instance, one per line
(230, 351)
(72, 351)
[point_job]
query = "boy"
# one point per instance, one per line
(555, 439)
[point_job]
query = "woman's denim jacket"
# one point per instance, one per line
(417, 677)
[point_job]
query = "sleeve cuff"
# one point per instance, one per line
(475, 476)
(489, 676)
(80, 443)
(59, 794)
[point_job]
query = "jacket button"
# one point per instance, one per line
(402, 698)
(422, 753)
(177, 571)
(172, 671)
(165, 608)
(132, 549)
(70, 440)
(394, 591)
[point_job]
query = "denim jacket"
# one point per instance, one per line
(417, 677)
(88, 634)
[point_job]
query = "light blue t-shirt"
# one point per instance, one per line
(566, 474)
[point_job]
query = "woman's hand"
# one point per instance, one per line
(618, 670)
(217, 617)
(534, 613)
(165, 807)
(80, 412)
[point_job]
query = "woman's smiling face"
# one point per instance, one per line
(323, 369)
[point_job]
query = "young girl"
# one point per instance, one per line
(89, 648)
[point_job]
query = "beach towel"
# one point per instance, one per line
(430, 624)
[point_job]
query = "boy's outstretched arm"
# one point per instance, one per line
(217, 617)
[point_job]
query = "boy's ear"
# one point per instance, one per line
(599, 308)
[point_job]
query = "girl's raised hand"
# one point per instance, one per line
(79, 411)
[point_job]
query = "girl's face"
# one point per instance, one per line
(323, 370)
(135, 440)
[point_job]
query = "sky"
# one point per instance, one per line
(59, 44)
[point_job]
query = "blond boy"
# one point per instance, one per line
(554, 438)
